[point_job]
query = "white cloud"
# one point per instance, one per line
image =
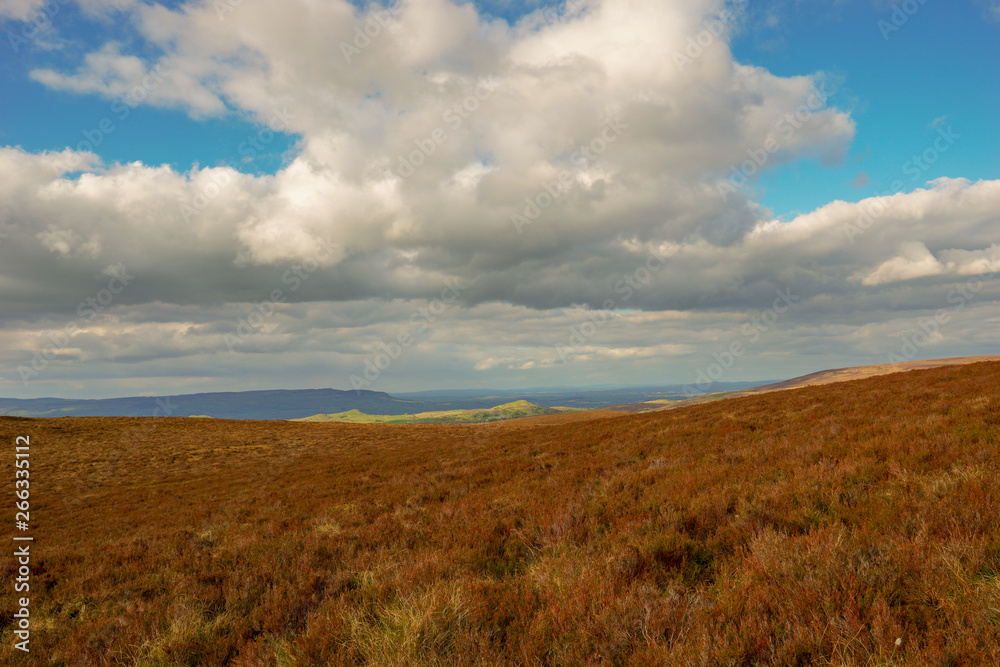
(560, 83)
(131, 81)
(67, 242)
(914, 261)
(601, 76)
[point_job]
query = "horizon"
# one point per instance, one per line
(439, 195)
(474, 391)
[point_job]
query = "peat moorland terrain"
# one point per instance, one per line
(852, 523)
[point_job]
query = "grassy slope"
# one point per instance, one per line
(831, 376)
(358, 417)
(514, 410)
(812, 526)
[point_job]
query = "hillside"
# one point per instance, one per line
(850, 524)
(831, 376)
(860, 372)
(513, 410)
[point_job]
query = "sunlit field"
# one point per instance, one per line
(847, 524)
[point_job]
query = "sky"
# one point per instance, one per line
(228, 195)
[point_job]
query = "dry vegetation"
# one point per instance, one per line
(849, 524)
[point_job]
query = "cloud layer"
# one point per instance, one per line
(584, 157)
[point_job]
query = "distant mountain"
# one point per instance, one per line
(277, 404)
(300, 403)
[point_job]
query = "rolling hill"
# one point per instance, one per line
(852, 523)
(860, 372)
(513, 410)
(812, 379)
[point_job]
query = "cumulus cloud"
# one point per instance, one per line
(914, 261)
(65, 230)
(567, 161)
(132, 81)
(66, 242)
(418, 153)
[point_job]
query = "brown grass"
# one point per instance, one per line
(850, 524)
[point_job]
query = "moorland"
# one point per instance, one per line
(841, 524)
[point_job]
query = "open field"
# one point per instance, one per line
(846, 524)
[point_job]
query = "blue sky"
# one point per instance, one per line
(39, 119)
(942, 63)
(531, 198)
